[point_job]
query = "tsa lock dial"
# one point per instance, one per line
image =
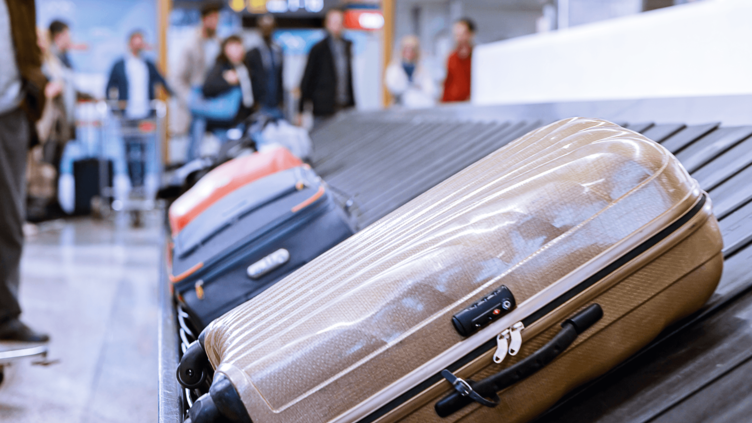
(484, 311)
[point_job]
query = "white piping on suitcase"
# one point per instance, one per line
(536, 302)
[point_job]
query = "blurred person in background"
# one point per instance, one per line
(327, 80)
(408, 80)
(22, 99)
(58, 123)
(457, 82)
(265, 65)
(133, 81)
(196, 60)
(229, 72)
(60, 42)
(54, 130)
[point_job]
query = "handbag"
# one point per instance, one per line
(222, 108)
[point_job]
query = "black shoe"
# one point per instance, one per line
(15, 330)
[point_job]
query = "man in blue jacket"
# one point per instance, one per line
(133, 80)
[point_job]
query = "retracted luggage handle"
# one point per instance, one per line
(349, 203)
(484, 392)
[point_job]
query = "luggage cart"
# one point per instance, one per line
(11, 352)
(140, 142)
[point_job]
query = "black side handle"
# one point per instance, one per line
(465, 391)
(221, 405)
(205, 411)
(194, 368)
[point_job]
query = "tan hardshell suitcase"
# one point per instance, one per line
(487, 298)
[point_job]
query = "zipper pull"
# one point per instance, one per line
(516, 342)
(502, 346)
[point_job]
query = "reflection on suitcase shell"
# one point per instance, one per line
(540, 216)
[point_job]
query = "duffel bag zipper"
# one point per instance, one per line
(508, 342)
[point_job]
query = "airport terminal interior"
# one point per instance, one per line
(267, 211)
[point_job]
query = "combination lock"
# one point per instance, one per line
(484, 311)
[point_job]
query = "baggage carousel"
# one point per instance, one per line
(697, 370)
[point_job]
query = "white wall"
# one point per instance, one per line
(690, 50)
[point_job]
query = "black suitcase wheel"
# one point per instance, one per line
(193, 369)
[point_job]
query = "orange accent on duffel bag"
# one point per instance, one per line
(225, 179)
(180, 277)
(310, 200)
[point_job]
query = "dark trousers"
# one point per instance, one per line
(136, 158)
(14, 143)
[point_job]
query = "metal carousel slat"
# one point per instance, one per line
(687, 136)
(660, 133)
(711, 146)
(725, 166)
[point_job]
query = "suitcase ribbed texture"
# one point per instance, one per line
(367, 316)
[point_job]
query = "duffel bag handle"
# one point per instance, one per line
(485, 391)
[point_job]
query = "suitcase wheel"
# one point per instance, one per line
(192, 370)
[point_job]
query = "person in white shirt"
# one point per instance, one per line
(408, 80)
(133, 79)
(132, 82)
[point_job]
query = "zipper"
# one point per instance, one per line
(508, 342)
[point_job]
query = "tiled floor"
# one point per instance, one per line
(93, 286)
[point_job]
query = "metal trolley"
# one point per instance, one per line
(138, 145)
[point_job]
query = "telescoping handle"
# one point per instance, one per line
(485, 391)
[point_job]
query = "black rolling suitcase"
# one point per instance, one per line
(86, 174)
(252, 238)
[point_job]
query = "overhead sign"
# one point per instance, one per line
(277, 6)
(364, 19)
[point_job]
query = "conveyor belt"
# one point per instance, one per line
(694, 371)
(698, 359)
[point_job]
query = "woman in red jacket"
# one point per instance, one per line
(457, 82)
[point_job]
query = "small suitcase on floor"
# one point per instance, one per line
(225, 179)
(86, 176)
(486, 299)
(253, 237)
